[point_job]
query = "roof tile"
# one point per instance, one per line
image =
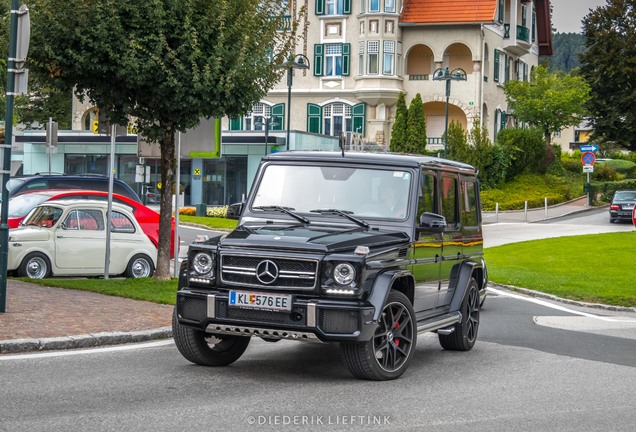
(448, 11)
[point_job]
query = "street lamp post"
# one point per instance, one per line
(443, 74)
(298, 61)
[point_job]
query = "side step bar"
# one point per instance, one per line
(440, 324)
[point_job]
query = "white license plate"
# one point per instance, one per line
(628, 207)
(278, 302)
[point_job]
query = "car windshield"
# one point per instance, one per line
(20, 205)
(625, 196)
(363, 192)
(43, 216)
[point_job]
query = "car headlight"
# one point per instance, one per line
(344, 274)
(203, 264)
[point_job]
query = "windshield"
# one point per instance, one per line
(363, 192)
(20, 205)
(44, 216)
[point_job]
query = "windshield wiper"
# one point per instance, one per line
(286, 210)
(344, 213)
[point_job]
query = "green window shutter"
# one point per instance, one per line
(236, 123)
(318, 58)
(523, 15)
(496, 71)
(497, 121)
(314, 118)
(534, 21)
(347, 7)
(507, 68)
(358, 114)
(503, 120)
(320, 7)
(500, 15)
(278, 117)
(346, 58)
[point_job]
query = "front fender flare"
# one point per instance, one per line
(382, 287)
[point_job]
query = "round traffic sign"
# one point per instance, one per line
(588, 158)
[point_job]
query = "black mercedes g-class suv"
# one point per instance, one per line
(363, 249)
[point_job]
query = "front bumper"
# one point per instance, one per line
(318, 320)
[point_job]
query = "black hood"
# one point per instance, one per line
(311, 239)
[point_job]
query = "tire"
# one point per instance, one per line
(465, 334)
(388, 354)
(139, 266)
(36, 265)
(612, 220)
(207, 349)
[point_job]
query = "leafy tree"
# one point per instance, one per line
(457, 148)
(609, 67)
(525, 149)
(43, 100)
(416, 127)
(550, 101)
(164, 63)
(481, 153)
(398, 132)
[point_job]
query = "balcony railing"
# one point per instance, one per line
(285, 23)
(418, 77)
(523, 33)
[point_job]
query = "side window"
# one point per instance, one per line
(121, 224)
(449, 199)
(85, 220)
(470, 215)
(37, 185)
(427, 194)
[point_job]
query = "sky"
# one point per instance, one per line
(568, 14)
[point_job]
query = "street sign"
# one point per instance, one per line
(588, 168)
(589, 148)
(588, 158)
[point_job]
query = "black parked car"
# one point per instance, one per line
(20, 184)
(622, 205)
(323, 253)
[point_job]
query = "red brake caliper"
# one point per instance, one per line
(397, 341)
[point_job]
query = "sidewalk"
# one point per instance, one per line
(537, 214)
(43, 318)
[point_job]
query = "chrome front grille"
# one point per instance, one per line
(269, 272)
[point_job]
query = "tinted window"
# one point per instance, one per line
(470, 216)
(449, 199)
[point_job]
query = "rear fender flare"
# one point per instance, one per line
(460, 282)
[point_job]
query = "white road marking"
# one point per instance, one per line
(558, 307)
(114, 348)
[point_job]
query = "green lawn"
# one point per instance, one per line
(210, 222)
(595, 268)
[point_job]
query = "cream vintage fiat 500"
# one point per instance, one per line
(68, 238)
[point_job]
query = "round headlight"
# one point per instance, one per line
(344, 273)
(202, 263)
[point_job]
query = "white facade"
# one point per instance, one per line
(362, 56)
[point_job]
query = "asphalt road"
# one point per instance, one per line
(537, 366)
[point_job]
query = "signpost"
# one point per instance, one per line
(589, 148)
(588, 158)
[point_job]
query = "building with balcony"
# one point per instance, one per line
(363, 53)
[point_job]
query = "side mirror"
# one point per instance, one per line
(234, 211)
(432, 222)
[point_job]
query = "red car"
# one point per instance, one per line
(20, 205)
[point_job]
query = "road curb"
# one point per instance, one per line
(83, 341)
(539, 294)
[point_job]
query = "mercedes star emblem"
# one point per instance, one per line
(267, 272)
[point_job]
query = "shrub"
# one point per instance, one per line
(219, 212)
(607, 189)
(188, 211)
